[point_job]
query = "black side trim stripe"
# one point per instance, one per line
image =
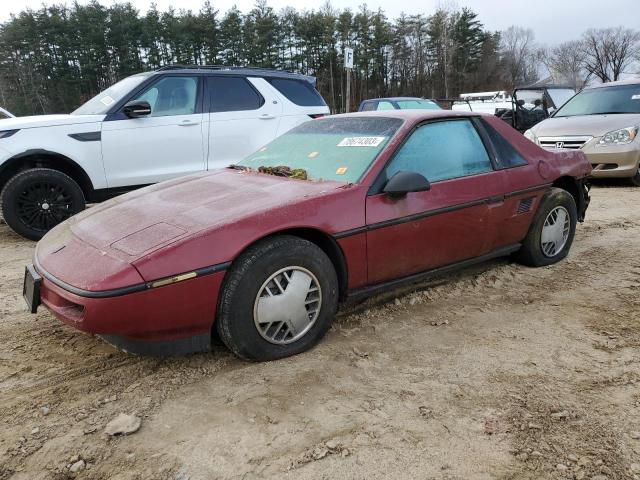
(437, 211)
(363, 292)
(118, 292)
(86, 136)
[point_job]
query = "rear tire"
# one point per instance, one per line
(36, 200)
(278, 299)
(551, 233)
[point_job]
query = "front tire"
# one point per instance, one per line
(635, 180)
(278, 299)
(36, 200)
(551, 233)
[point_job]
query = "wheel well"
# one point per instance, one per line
(329, 246)
(51, 160)
(570, 185)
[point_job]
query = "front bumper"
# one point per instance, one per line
(613, 162)
(172, 319)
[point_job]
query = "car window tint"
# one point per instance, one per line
(233, 94)
(299, 92)
(506, 155)
(368, 107)
(441, 151)
(385, 106)
(172, 96)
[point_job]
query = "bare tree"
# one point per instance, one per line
(566, 64)
(518, 53)
(609, 51)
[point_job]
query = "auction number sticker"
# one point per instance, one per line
(107, 100)
(635, 97)
(361, 141)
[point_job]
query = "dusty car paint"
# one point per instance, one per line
(203, 222)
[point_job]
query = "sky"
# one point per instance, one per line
(553, 21)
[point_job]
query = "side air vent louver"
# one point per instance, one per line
(525, 205)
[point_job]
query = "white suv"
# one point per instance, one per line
(144, 129)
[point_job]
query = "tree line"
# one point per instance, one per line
(55, 58)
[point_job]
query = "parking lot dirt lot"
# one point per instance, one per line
(498, 372)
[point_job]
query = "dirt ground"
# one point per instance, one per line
(499, 372)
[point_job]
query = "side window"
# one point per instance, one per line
(368, 106)
(507, 156)
(232, 94)
(385, 106)
(299, 92)
(172, 96)
(442, 151)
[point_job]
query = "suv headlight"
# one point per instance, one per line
(618, 137)
(529, 135)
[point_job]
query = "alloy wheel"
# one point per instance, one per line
(287, 305)
(42, 205)
(555, 231)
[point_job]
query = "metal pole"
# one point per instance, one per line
(348, 102)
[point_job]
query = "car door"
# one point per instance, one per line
(242, 117)
(167, 143)
(441, 226)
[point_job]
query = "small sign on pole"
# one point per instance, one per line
(348, 65)
(348, 57)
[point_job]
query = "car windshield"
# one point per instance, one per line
(339, 149)
(529, 97)
(418, 105)
(601, 100)
(560, 95)
(101, 103)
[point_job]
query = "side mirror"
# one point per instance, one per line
(136, 109)
(404, 182)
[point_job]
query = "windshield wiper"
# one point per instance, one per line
(235, 166)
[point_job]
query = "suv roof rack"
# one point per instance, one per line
(250, 71)
(219, 67)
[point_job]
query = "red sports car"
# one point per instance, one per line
(337, 208)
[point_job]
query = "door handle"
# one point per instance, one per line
(496, 199)
(188, 123)
(266, 116)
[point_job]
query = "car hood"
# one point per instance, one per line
(131, 227)
(38, 121)
(585, 125)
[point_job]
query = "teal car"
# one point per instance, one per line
(398, 103)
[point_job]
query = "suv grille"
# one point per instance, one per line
(571, 143)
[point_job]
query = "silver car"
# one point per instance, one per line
(603, 121)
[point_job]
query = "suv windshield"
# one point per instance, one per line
(338, 149)
(601, 100)
(101, 103)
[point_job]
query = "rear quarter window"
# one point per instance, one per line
(299, 92)
(506, 155)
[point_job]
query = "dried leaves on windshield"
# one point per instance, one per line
(284, 171)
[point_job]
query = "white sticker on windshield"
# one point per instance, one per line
(107, 100)
(635, 97)
(361, 141)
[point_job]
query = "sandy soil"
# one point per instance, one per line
(499, 372)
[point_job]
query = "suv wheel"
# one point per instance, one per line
(36, 200)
